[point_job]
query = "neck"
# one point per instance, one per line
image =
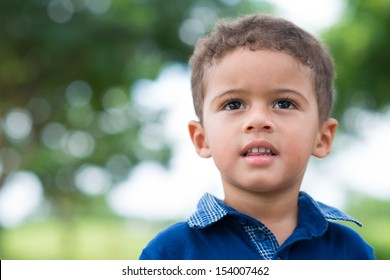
(277, 210)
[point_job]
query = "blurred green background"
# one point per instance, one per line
(67, 75)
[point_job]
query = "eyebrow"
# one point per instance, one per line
(231, 92)
(290, 91)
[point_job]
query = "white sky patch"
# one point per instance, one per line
(155, 193)
(364, 164)
(21, 194)
(311, 15)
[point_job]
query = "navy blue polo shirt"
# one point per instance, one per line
(218, 232)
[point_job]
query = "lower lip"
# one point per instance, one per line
(259, 160)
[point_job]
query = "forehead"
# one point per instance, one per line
(256, 54)
(259, 68)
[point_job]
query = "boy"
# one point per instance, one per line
(263, 92)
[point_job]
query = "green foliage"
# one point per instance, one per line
(359, 44)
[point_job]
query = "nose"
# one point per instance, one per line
(258, 120)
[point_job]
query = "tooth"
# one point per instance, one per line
(255, 150)
(261, 150)
(268, 151)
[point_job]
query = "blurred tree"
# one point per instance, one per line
(360, 44)
(66, 79)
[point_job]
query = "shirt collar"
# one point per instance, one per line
(328, 212)
(210, 210)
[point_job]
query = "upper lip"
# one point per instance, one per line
(259, 144)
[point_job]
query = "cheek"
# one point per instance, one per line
(301, 142)
(221, 144)
(217, 142)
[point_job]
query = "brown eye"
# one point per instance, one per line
(233, 105)
(284, 104)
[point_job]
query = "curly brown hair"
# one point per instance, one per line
(263, 32)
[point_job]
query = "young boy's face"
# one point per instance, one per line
(260, 121)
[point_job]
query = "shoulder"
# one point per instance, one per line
(343, 233)
(179, 236)
(332, 240)
(348, 242)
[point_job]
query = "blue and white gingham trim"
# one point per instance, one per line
(268, 247)
(211, 210)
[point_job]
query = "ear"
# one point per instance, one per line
(199, 139)
(324, 141)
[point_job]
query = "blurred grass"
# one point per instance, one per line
(84, 238)
(374, 214)
(375, 232)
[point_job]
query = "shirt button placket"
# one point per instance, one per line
(265, 243)
(260, 237)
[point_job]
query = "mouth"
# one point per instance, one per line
(259, 148)
(259, 152)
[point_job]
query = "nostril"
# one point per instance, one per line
(267, 127)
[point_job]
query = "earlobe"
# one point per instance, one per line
(199, 139)
(324, 141)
